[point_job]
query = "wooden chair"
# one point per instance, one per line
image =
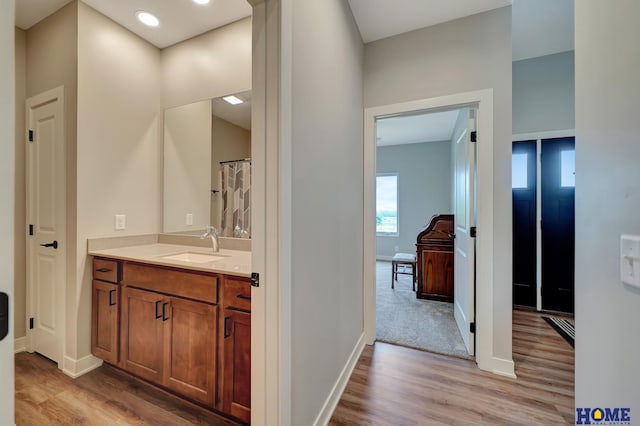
(404, 260)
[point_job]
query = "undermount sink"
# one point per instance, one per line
(192, 257)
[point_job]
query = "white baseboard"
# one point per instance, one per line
(75, 368)
(504, 367)
(20, 344)
(338, 388)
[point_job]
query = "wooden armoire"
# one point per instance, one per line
(434, 249)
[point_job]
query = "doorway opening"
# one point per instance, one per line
(479, 324)
(424, 182)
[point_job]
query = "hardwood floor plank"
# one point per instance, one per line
(394, 385)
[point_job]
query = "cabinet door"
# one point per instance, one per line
(437, 275)
(190, 349)
(104, 321)
(236, 365)
(142, 333)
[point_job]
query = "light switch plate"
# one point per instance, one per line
(189, 219)
(630, 260)
(121, 222)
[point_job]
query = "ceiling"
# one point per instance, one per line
(179, 19)
(239, 114)
(429, 127)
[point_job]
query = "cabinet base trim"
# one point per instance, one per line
(338, 388)
(75, 368)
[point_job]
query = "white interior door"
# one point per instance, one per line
(464, 244)
(46, 218)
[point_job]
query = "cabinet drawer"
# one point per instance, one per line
(106, 270)
(192, 285)
(237, 293)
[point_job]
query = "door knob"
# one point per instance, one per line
(54, 244)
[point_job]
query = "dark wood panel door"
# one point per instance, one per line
(524, 187)
(558, 224)
(190, 348)
(436, 275)
(104, 321)
(236, 364)
(142, 333)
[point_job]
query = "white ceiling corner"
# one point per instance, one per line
(30, 12)
(417, 128)
(378, 19)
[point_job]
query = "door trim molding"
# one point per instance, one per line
(483, 99)
(32, 102)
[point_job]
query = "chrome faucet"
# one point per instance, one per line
(213, 233)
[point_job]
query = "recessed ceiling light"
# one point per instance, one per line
(147, 18)
(233, 100)
(201, 1)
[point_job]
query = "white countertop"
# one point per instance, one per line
(236, 262)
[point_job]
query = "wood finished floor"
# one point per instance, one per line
(392, 385)
(105, 396)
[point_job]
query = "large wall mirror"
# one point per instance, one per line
(207, 166)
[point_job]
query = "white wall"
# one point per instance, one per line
(607, 202)
(187, 166)
(207, 66)
(464, 55)
(424, 180)
(326, 200)
(7, 137)
(119, 153)
(544, 93)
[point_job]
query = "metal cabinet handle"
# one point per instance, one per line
(158, 315)
(226, 327)
(243, 297)
(164, 311)
(111, 302)
(103, 270)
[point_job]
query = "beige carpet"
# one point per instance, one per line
(404, 320)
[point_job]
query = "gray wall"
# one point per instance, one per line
(327, 207)
(607, 194)
(424, 175)
(467, 54)
(544, 93)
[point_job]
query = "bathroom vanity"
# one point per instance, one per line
(178, 317)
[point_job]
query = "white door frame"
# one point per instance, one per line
(7, 202)
(483, 99)
(538, 137)
(33, 102)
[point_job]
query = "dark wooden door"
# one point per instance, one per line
(142, 333)
(104, 320)
(236, 365)
(558, 224)
(190, 349)
(524, 185)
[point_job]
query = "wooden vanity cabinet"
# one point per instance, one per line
(434, 249)
(235, 349)
(168, 339)
(105, 335)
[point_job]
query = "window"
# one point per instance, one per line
(387, 204)
(568, 168)
(519, 171)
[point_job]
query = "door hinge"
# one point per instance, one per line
(474, 136)
(472, 232)
(255, 279)
(30, 323)
(472, 327)
(30, 135)
(31, 229)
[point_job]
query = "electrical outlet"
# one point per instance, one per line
(121, 222)
(189, 219)
(396, 248)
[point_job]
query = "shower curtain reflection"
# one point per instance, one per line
(236, 199)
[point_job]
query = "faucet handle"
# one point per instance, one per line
(212, 230)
